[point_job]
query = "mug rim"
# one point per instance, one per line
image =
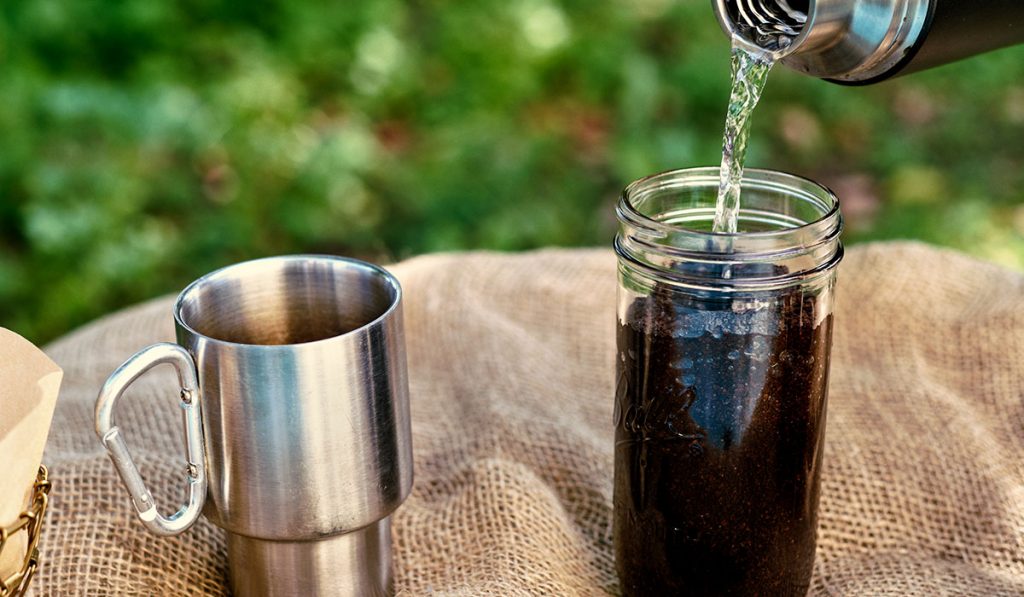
(223, 272)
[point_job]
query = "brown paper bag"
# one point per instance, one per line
(29, 382)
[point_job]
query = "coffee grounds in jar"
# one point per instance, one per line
(720, 414)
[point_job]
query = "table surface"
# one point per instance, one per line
(511, 361)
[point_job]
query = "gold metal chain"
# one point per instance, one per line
(31, 522)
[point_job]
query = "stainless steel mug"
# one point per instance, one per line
(295, 399)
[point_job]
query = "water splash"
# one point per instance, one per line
(749, 74)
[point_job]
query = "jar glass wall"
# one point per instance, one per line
(722, 378)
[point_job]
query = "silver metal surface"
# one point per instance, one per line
(356, 563)
(113, 441)
(846, 40)
(305, 412)
(305, 398)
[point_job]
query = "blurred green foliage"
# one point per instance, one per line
(147, 142)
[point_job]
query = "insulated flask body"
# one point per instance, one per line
(859, 42)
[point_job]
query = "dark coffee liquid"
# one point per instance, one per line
(719, 415)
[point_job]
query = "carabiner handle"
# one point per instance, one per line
(113, 441)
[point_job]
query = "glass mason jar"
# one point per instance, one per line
(722, 378)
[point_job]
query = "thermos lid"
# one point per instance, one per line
(848, 41)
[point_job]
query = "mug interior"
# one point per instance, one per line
(287, 300)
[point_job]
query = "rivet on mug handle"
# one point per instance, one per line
(110, 435)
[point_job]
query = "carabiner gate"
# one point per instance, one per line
(113, 440)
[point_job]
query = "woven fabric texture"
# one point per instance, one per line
(511, 361)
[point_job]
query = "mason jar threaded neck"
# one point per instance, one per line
(788, 231)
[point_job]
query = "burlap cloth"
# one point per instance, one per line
(511, 367)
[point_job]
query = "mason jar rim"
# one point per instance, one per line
(627, 211)
(799, 248)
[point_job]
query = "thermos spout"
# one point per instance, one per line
(865, 41)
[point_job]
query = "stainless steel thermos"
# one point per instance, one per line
(865, 41)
